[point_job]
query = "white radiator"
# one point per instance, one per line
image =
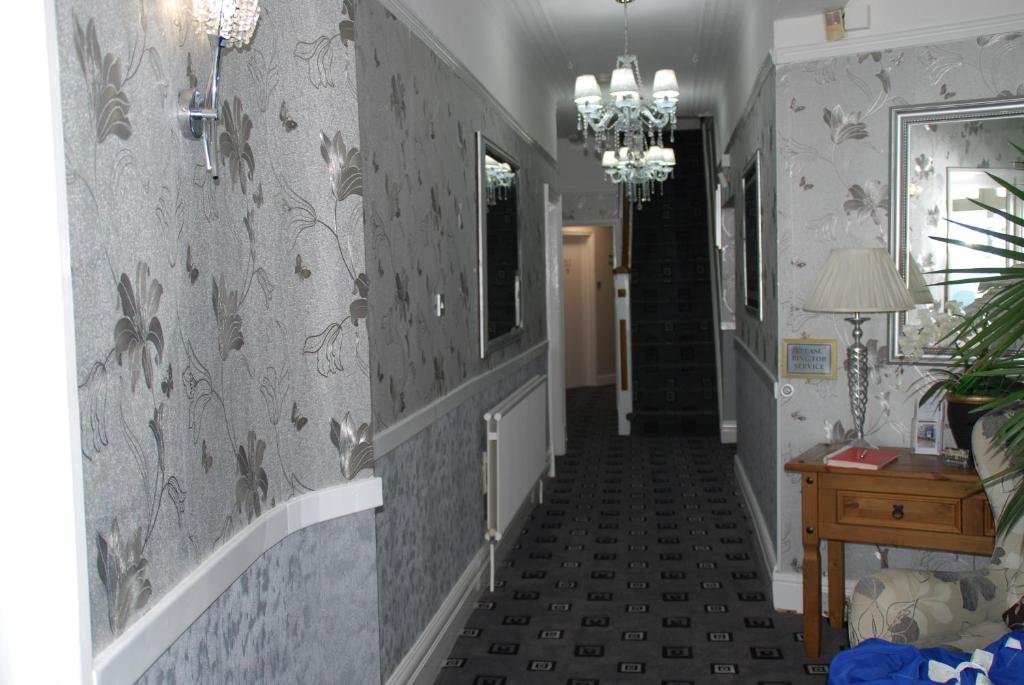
(517, 454)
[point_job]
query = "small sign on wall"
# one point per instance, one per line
(808, 358)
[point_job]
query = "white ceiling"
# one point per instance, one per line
(697, 38)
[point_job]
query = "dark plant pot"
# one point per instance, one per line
(962, 414)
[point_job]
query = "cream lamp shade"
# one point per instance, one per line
(624, 83)
(859, 281)
(587, 90)
(665, 84)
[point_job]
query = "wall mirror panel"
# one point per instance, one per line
(498, 185)
(941, 157)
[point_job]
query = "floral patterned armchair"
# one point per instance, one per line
(959, 610)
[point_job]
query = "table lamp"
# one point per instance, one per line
(859, 281)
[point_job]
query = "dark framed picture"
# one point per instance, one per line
(752, 271)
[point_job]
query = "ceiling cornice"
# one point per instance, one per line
(853, 44)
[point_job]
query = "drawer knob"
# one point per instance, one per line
(810, 530)
(897, 511)
(810, 480)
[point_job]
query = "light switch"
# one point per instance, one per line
(439, 304)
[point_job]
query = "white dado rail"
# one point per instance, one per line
(127, 658)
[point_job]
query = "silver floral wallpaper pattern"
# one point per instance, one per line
(220, 325)
(833, 167)
(418, 118)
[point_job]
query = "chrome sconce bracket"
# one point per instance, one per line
(198, 114)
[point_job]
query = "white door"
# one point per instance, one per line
(556, 324)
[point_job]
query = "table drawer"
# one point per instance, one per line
(906, 512)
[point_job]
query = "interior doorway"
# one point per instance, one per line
(587, 255)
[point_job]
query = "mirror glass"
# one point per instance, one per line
(499, 249)
(942, 155)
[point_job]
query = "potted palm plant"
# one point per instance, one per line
(989, 341)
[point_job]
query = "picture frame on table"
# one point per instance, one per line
(929, 426)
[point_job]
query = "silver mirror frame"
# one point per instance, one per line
(752, 176)
(488, 345)
(901, 118)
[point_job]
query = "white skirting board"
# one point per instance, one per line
(727, 432)
(787, 586)
(126, 659)
(788, 591)
(765, 543)
(424, 660)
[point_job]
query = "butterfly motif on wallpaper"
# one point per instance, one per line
(206, 459)
(298, 420)
(190, 268)
(167, 384)
(301, 270)
(287, 122)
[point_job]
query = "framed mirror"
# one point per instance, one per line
(752, 272)
(941, 157)
(499, 254)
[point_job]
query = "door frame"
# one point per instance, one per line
(555, 295)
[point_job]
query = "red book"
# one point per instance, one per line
(867, 458)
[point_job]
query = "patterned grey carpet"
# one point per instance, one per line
(640, 567)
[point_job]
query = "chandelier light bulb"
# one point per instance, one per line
(233, 21)
(668, 157)
(608, 159)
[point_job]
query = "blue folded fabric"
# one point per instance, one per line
(879, 662)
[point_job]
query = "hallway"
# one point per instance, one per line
(640, 567)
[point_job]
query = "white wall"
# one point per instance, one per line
(752, 44)
(44, 618)
(579, 171)
(479, 34)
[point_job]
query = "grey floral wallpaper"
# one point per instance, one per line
(833, 166)
(755, 403)
(418, 118)
(220, 325)
(756, 132)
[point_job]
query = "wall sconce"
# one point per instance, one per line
(835, 25)
(230, 23)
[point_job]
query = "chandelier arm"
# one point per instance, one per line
(656, 118)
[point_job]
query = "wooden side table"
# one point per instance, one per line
(916, 501)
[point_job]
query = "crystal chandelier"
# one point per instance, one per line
(500, 179)
(628, 130)
(639, 171)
